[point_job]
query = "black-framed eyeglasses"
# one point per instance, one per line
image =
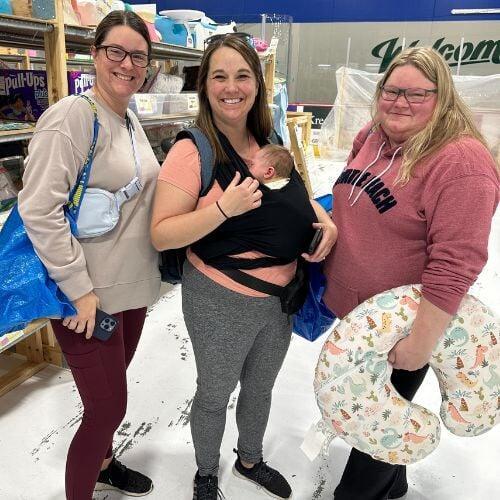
(117, 54)
(412, 95)
(246, 37)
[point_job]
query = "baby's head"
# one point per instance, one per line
(271, 163)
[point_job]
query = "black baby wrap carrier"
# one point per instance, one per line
(281, 228)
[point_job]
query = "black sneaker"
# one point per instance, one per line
(206, 488)
(265, 477)
(127, 481)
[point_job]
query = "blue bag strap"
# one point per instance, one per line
(206, 155)
(78, 191)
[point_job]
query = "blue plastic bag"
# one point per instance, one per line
(314, 318)
(26, 290)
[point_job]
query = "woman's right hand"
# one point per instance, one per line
(240, 198)
(85, 317)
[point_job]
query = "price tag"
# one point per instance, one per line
(146, 104)
(193, 103)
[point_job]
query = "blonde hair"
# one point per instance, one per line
(280, 158)
(450, 119)
(259, 118)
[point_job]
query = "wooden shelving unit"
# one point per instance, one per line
(56, 39)
(37, 342)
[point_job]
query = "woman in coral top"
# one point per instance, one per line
(238, 334)
(413, 205)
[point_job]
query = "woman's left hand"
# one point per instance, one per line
(409, 355)
(327, 241)
(414, 351)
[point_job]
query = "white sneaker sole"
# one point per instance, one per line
(258, 486)
(105, 487)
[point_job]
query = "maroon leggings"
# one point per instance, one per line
(99, 369)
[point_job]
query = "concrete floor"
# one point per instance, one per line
(39, 418)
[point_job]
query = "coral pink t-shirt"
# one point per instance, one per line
(182, 169)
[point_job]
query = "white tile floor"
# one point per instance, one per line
(38, 419)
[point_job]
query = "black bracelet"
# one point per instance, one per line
(221, 211)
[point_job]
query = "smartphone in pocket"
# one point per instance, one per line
(105, 325)
(315, 241)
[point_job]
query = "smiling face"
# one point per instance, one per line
(231, 88)
(117, 81)
(400, 119)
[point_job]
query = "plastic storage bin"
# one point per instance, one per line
(150, 105)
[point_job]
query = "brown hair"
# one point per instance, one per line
(451, 117)
(280, 158)
(122, 18)
(259, 118)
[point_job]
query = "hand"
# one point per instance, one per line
(85, 317)
(409, 355)
(327, 241)
(240, 198)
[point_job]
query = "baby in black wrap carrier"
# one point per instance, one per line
(281, 228)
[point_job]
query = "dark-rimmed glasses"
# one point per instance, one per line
(412, 95)
(246, 37)
(117, 54)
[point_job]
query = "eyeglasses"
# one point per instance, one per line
(246, 37)
(412, 95)
(117, 54)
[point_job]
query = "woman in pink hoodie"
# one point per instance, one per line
(413, 205)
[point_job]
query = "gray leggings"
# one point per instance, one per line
(235, 337)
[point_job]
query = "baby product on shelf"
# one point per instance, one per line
(92, 12)
(147, 12)
(45, 9)
(153, 105)
(179, 25)
(22, 8)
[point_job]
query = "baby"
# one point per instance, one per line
(272, 165)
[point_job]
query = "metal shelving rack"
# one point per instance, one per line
(46, 34)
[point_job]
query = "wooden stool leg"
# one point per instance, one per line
(298, 154)
(34, 350)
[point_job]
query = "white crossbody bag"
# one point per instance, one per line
(94, 211)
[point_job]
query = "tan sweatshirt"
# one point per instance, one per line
(121, 266)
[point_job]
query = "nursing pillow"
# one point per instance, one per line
(358, 402)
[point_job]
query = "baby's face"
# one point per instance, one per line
(260, 167)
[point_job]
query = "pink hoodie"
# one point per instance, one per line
(433, 230)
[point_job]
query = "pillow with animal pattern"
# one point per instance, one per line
(358, 402)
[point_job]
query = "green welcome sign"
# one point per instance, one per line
(485, 51)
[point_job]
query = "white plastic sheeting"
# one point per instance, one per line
(352, 109)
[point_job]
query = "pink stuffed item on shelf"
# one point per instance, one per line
(260, 45)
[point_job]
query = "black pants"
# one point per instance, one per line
(365, 478)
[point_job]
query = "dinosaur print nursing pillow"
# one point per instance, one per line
(358, 402)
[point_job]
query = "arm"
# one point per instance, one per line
(459, 214)
(329, 234)
(414, 351)
(175, 222)
(51, 171)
